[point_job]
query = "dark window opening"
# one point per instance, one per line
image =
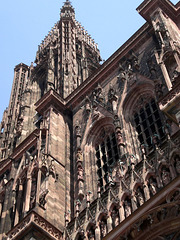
(148, 123)
(106, 156)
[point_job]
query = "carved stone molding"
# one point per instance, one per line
(174, 93)
(142, 101)
(34, 219)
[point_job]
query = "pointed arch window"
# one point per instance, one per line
(148, 123)
(106, 156)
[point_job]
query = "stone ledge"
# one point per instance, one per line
(33, 220)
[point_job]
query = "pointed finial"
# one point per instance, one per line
(67, 9)
(67, 2)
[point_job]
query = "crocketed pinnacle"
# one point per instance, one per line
(67, 9)
(67, 3)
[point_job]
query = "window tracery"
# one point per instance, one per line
(148, 122)
(106, 156)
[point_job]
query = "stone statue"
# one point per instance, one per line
(80, 172)
(33, 192)
(91, 235)
(119, 138)
(78, 131)
(177, 164)
(19, 127)
(115, 218)
(103, 228)
(99, 94)
(140, 197)
(175, 196)
(152, 186)
(122, 73)
(95, 114)
(127, 209)
(109, 178)
(165, 177)
(79, 156)
(42, 198)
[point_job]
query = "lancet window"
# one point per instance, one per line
(106, 156)
(148, 123)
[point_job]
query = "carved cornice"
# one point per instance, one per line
(25, 145)
(149, 6)
(33, 219)
(170, 97)
(21, 65)
(50, 98)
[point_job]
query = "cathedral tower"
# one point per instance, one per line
(93, 152)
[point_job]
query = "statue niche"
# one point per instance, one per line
(177, 164)
(152, 186)
(103, 227)
(140, 196)
(91, 234)
(127, 207)
(115, 217)
(33, 192)
(165, 176)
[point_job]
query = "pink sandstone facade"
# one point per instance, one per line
(90, 150)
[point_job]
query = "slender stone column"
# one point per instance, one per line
(109, 223)
(5, 216)
(18, 204)
(28, 193)
(39, 168)
(121, 213)
(166, 75)
(164, 71)
(173, 175)
(38, 185)
(146, 189)
(79, 162)
(113, 99)
(146, 192)
(46, 144)
(50, 75)
(133, 202)
(1, 204)
(177, 59)
(119, 137)
(97, 233)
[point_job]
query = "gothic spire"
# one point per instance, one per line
(67, 2)
(67, 10)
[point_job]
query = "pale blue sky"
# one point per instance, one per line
(24, 25)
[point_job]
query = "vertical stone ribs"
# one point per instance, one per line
(13, 119)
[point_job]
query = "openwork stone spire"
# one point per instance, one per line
(67, 10)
